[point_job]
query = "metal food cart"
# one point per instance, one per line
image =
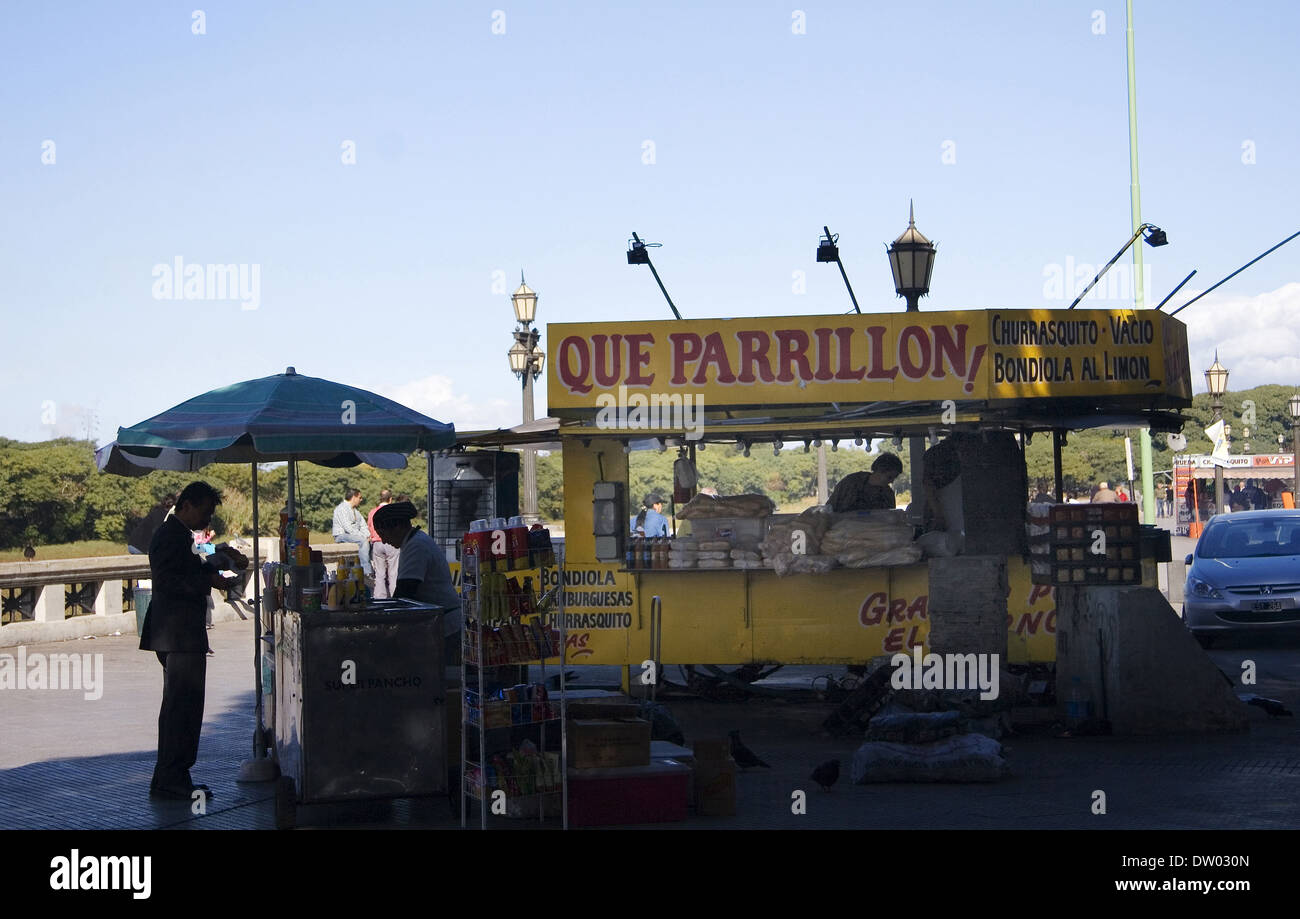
(360, 705)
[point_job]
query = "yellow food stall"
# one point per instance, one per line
(774, 380)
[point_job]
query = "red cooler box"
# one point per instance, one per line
(656, 793)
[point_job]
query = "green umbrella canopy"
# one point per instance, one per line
(287, 415)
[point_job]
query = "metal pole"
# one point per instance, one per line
(259, 740)
(915, 445)
(848, 285)
(1056, 465)
(529, 458)
(823, 489)
(1218, 470)
(1295, 460)
(1144, 436)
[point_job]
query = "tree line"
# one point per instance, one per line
(50, 492)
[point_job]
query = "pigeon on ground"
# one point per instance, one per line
(1275, 708)
(827, 774)
(744, 757)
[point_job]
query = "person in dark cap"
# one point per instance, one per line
(422, 570)
(650, 520)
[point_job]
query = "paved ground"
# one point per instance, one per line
(68, 762)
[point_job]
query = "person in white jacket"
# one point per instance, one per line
(350, 526)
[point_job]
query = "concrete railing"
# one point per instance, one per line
(105, 578)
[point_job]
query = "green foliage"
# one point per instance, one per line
(789, 479)
(51, 493)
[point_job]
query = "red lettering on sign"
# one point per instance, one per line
(1037, 592)
(873, 609)
(878, 372)
(1029, 622)
(844, 361)
(577, 645)
(896, 607)
(574, 378)
(792, 348)
(895, 642)
(607, 358)
(914, 333)
(823, 355)
(637, 357)
(686, 347)
(1049, 624)
(715, 354)
(753, 354)
(918, 608)
(950, 350)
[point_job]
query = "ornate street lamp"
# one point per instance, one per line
(911, 258)
(526, 359)
(1216, 381)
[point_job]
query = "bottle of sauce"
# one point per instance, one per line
(629, 560)
(647, 553)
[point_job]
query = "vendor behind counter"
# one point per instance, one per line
(868, 491)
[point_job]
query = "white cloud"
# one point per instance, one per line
(1257, 337)
(436, 396)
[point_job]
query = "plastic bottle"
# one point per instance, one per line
(1076, 707)
(647, 553)
(629, 560)
(302, 545)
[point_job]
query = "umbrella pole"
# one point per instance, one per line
(259, 768)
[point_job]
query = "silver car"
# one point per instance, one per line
(1244, 575)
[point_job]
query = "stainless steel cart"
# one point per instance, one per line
(360, 705)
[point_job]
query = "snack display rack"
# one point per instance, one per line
(505, 762)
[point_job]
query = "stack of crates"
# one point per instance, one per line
(1075, 534)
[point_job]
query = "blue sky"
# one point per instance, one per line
(478, 152)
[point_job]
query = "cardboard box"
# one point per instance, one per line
(712, 748)
(603, 710)
(601, 743)
(715, 788)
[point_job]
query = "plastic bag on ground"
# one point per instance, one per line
(963, 758)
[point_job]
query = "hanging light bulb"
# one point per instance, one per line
(746, 450)
(835, 446)
(805, 446)
(776, 448)
(817, 443)
(857, 441)
(627, 447)
(663, 445)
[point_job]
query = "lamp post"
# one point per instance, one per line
(1216, 381)
(1294, 405)
(911, 259)
(526, 359)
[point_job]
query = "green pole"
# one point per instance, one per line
(1148, 480)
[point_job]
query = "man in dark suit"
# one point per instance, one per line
(174, 628)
